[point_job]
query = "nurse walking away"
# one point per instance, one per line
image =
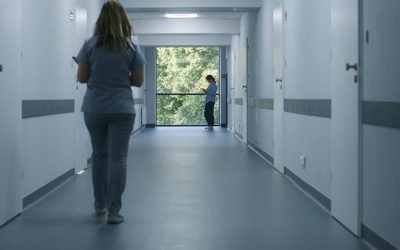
(110, 64)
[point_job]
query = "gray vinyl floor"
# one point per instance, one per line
(187, 189)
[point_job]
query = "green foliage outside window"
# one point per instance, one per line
(182, 70)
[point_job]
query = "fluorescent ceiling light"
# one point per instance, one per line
(181, 15)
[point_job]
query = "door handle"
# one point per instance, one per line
(348, 66)
(278, 80)
(245, 86)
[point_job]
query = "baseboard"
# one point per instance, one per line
(375, 239)
(10, 220)
(46, 189)
(269, 159)
(238, 136)
(224, 125)
(307, 188)
(150, 125)
(89, 162)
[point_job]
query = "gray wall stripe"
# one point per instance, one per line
(386, 114)
(36, 108)
(269, 158)
(320, 108)
(251, 102)
(374, 239)
(264, 103)
(322, 199)
(138, 101)
(239, 101)
(41, 192)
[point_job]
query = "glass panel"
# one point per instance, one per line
(183, 110)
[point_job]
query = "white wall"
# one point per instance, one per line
(138, 93)
(150, 84)
(47, 35)
(223, 84)
(240, 77)
(10, 110)
(260, 128)
(381, 168)
(48, 72)
(248, 77)
(307, 76)
(233, 83)
(37, 63)
(230, 90)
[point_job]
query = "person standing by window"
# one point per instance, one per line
(110, 64)
(211, 93)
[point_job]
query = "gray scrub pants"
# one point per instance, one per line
(110, 135)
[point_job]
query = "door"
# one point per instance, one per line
(82, 146)
(278, 87)
(345, 113)
(245, 86)
(10, 110)
(232, 94)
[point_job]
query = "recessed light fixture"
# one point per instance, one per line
(181, 15)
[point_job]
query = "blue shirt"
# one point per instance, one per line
(109, 86)
(211, 92)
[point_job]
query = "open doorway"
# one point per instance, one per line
(181, 73)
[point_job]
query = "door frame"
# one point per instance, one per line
(11, 167)
(245, 87)
(278, 156)
(81, 150)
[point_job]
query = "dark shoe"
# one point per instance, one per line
(115, 219)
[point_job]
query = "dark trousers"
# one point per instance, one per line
(209, 113)
(110, 134)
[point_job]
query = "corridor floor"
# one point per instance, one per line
(187, 189)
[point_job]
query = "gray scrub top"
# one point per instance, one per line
(109, 86)
(211, 92)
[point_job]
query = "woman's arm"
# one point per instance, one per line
(83, 73)
(137, 75)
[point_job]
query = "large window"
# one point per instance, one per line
(181, 73)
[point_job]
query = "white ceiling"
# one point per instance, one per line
(218, 20)
(207, 9)
(191, 5)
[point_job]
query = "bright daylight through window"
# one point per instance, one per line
(181, 73)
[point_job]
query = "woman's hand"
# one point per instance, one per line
(83, 73)
(137, 76)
